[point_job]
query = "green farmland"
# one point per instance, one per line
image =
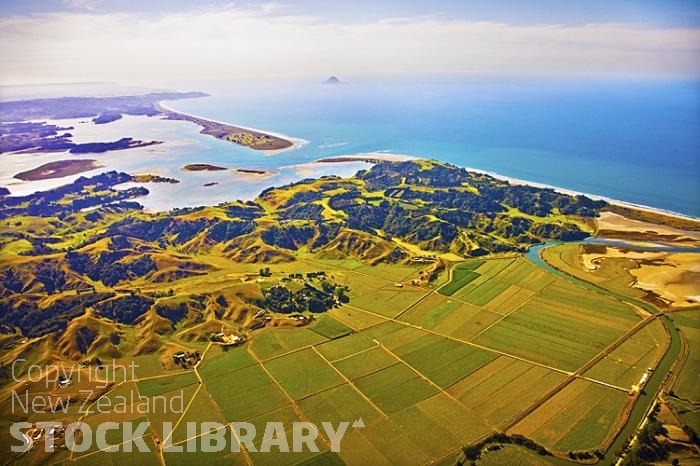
(498, 340)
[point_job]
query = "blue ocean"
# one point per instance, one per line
(637, 142)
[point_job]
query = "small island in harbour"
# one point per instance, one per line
(58, 169)
(200, 167)
(148, 178)
(254, 173)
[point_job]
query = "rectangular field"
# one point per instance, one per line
(450, 317)
(303, 373)
(395, 388)
(560, 328)
(579, 417)
(462, 274)
(503, 388)
(245, 393)
(626, 364)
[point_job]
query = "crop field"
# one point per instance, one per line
(153, 387)
(246, 393)
(451, 367)
(99, 458)
(563, 326)
(395, 388)
(687, 386)
(303, 373)
(462, 274)
(328, 327)
(579, 417)
(203, 408)
(503, 388)
(273, 342)
(625, 365)
(388, 301)
(450, 317)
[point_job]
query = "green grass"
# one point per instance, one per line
(395, 388)
(330, 328)
(303, 373)
(245, 393)
(273, 342)
(687, 385)
(230, 360)
(162, 385)
(342, 403)
(346, 346)
(444, 361)
(365, 363)
(460, 278)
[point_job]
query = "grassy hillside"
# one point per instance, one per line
(84, 263)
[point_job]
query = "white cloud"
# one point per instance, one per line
(82, 4)
(258, 41)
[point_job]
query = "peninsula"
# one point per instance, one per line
(21, 132)
(252, 139)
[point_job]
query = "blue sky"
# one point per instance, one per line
(145, 42)
(665, 13)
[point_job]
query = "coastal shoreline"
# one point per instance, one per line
(597, 197)
(294, 143)
(375, 157)
(368, 157)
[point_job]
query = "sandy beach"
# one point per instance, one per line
(369, 157)
(295, 143)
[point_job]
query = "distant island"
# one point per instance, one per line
(333, 80)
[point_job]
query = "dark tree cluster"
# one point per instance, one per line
(173, 312)
(309, 298)
(473, 452)
(124, 309)
(108, 269)
(35, 321)
(288, 236)
(227, 230)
